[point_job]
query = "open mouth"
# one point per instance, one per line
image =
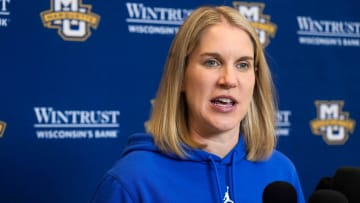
(223, 101)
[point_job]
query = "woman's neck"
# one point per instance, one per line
(220, 144)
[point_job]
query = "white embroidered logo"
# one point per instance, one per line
(227, 196)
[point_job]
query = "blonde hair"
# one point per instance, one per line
(168, 120)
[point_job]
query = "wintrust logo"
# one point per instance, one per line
(282, 123)
(145, 19)
(328, 32)
(4, 13)
(74, 124)
(332, 123)
(71, 18)
(261, 22)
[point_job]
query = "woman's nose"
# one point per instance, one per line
(227, 77)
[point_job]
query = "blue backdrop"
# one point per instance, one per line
(77, 78)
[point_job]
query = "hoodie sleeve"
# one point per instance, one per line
(111, 191)
(289, 172)
(299, 189)
(296, 183)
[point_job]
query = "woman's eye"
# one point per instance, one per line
(212, 63)
(243, 66)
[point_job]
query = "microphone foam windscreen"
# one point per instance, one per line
(327, 196)
(324, 183)
(279, 192)
(347, 181)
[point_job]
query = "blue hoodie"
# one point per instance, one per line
(145, 174)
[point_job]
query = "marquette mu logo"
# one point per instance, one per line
(332, 123)
(71, 18)
(2, 128)
(254, 13)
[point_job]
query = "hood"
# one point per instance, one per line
(143, 141)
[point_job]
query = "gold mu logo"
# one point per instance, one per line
(71, 18)
(332, 123)
(254, 12)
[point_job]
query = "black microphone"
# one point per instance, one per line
(325, 183)
(327, 196)
(347, 181)
(279, 192)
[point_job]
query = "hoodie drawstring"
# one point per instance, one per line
(233, 177)
(217, 179)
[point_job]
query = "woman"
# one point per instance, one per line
(210, 137)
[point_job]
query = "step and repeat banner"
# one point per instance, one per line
(77, 78)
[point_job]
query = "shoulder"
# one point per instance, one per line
(277, 165)
(282, 165)
(279, 157)
(285, 170)
(281, 160)
(140, 158)
(133, 171)
(136, 162)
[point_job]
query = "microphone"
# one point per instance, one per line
(347, 181)
(327, 196)
(325, 183)
(279, 192)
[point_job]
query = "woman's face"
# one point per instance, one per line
(219, 80)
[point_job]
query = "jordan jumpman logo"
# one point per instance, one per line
(227, 196)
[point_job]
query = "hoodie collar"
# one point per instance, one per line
(236, 154)
(144, 141)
